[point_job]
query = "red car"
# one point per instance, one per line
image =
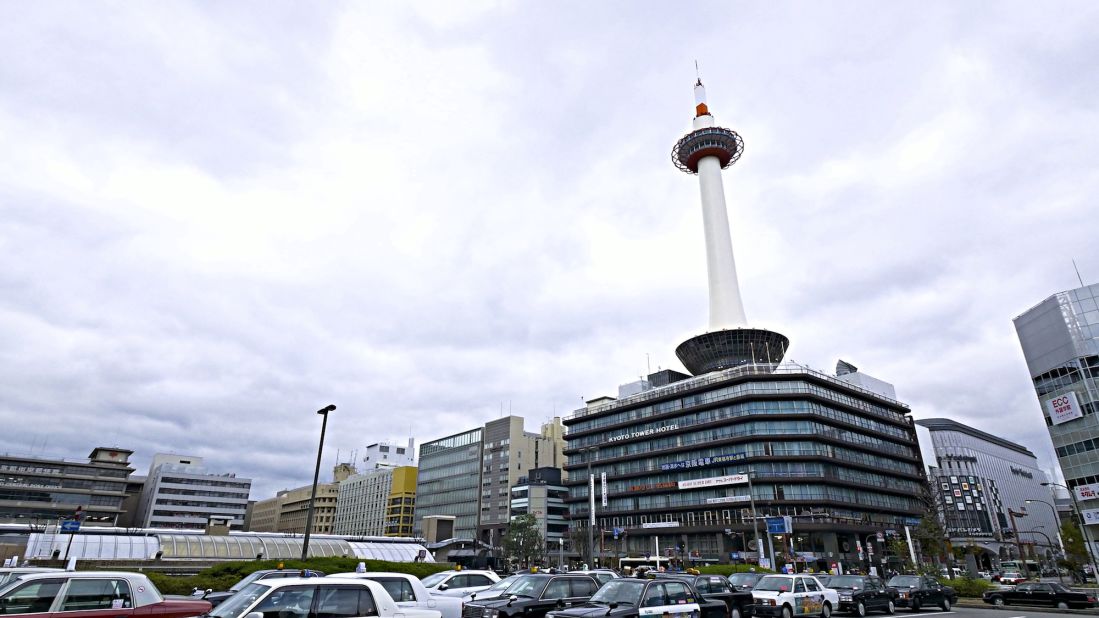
(93, 594)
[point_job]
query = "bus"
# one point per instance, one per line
(1028, 568)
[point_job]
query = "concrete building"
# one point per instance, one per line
(378, 502)
(43, 490)
(180, 492)
(389, 455)
(979, 479)
(542, 494)
(470, 475)
(288, 511)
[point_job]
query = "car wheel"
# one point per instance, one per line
(999, 601)
(891, 608)
(1062, 605)
(786, 612)
(860, 609)
(945, 605)
(735, 613)
(826, 611)
(915, 605)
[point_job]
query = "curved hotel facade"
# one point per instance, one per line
(840, 460)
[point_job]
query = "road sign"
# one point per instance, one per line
(70, 526)
(778, 525)
(881, 537)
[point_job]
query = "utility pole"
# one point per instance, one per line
(1018, 544)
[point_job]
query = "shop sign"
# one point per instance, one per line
(1064, 408)
(644, 432)
(713, 481)
(1087, 492)
(702, 461)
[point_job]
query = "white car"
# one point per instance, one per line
(315, 596)
(408, 591)
(459, 583)
(8, 574)
(492, 591)
(786, 596)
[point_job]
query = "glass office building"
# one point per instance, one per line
(1060, 341)
(449, 481)
(839, 459)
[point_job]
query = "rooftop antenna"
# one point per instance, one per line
(698, 73)
(1078, 272)
(648, 366)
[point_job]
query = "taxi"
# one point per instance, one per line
(786, 596)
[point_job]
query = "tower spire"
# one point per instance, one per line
(706, 151)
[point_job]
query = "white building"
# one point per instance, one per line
(389, 455)
(181, 493)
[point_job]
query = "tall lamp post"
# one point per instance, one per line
(1049, 543)
(316, 476)
(1083, 527)
(588, 451)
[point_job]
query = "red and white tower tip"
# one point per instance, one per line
(706, 151)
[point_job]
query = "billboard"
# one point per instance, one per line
(713, 481)
(1087, 492)
(1064, 408)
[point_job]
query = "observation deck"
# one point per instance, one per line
(725, 144)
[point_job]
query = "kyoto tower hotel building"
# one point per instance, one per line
(829, 462)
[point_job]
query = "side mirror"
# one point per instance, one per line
(473, 596)
(511, 598)
(442, 587)
(560, 603)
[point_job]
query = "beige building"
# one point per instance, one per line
(377, 503)
(288, 511)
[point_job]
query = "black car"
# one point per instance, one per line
(216, 598)
(916, 591)
(1050, 595)
(745, 581)
(717, 588)
(628, 597)
(533, 595)
(860, 594)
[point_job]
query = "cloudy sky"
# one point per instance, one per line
(216, 218)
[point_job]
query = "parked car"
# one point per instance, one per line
(534, 595)
(303, 597)
(93, 594)
(718, 588)
(860, 594)
(601, 575)
(1051, 595)
(459, 583)
(824, 578)
(628, 597)
(408, 591)
(217, 597)
(1012, 578)
(917, 591)
(494, 590)
(8, 574)
(744, 581)
(786, 596)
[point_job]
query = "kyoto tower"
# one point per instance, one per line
(729, 342)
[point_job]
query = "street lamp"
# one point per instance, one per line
(755, 521)
(1056, 519)
(1083, 526)
(1049, 543)
(316, 476)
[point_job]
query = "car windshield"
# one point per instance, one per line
(527, 586)
(744, 579)
(234, 606)
(621, 591)
(905, 581)
(776, 583)
(251, 577)
(500, 586)
(434, 579)
(846, 581)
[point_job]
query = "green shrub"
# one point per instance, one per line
(729, 569)
(221, 576)
(968, 586)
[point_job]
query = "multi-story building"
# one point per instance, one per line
(979, 480)
(542, 494)
(1060, 341)
(378, 502)
(288, 511)
(44, 490)
(470, 475)
(840, 460)
(180, 492)
(389, 455)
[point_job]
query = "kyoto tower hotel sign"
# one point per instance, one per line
(706, 151)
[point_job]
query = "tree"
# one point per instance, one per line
(930, 533)
(523, 541)
(1076, 552)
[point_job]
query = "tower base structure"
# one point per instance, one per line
(728, 348)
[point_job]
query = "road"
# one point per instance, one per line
(961, 611)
